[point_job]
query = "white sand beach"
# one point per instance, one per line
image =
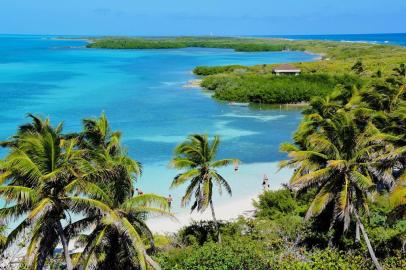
(248, 179)
(225, 211)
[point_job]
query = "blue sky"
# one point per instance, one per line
(192, 17)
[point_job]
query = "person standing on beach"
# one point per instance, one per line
(169, 200)
(265, 183)
(235, 162)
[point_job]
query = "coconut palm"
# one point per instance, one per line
(34, 175)
(388, 102)
(107, 159)
(339, 165)
(119, 234)
(197, 156)
(320, 109)
(36, 126)
(116, 217)
(97, 133)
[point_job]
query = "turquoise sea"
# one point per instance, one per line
(141, 92)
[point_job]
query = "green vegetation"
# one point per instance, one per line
(246, 45)
(277, 241)
(271, 89)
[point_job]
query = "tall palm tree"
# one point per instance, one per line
(107, 183)
(34, 176)
(197, 156)
(339, 165)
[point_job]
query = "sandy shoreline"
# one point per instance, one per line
(246, 185)
(196, 83)
(226, 211)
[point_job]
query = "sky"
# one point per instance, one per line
(203, 17)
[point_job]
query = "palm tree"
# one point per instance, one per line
(97, 133)
(38, 168)
(197, 157)
(338, 164)
(115, 242)
(387, 102)
(36, 126)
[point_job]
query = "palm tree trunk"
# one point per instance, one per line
(151, 262)
(65, 246)
(357, 235)
(216, 225)
(370, 249)
(41, 261)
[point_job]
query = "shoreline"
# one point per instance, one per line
(246, 185)
(194, 83)
(228, 211)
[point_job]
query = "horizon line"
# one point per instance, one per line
(196, 35)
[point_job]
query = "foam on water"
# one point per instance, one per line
(259, 117)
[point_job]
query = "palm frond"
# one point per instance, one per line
(221, 181)
(223, 162)
(41, 208)
(319, 203)
(363, 182)
(24, 195)
(310, 179)
(181, 163)
(146, 200)
(183, 177)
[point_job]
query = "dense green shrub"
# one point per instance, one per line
(271, 89)
(242, 253)
(205, 70)
(274, 204)
(331, 259)
(199, 232)
(238, 254)
(246, 45)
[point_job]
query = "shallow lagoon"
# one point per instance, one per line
(141, 92)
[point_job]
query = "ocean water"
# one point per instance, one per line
(392, 39)
(141, 92)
